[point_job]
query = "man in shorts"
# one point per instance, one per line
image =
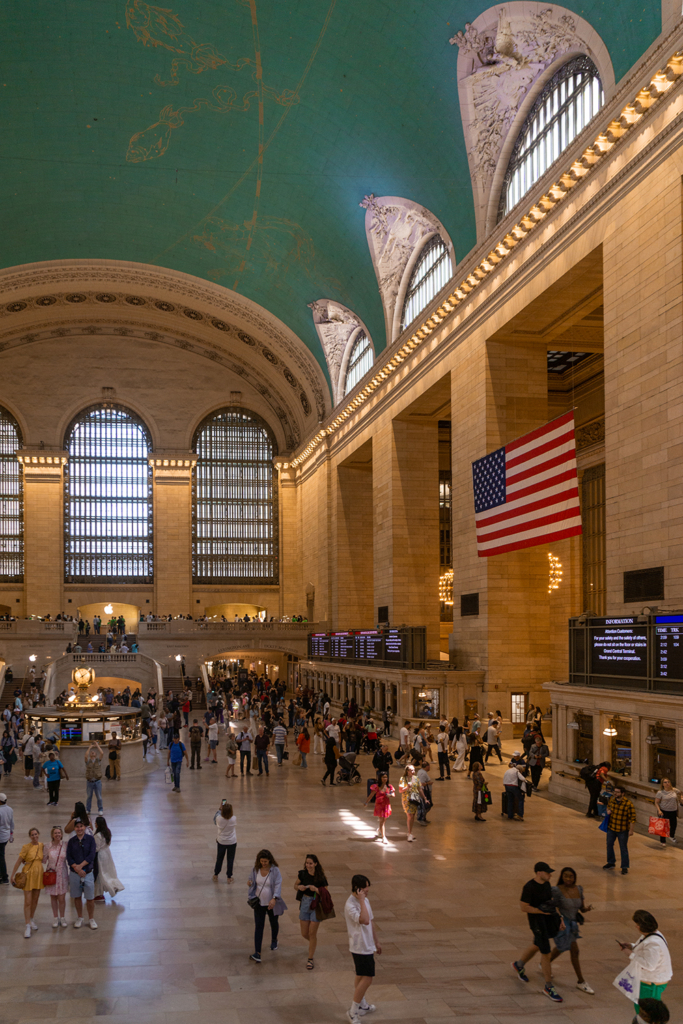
(536, 895)
(363, 945)
(80, 857)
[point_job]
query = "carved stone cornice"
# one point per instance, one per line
(590, 434)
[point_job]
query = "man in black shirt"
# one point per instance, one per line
(534, 902)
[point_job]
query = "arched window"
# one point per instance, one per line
(11, 502)
(430, 274)
(360, 361)
(108, 498)
(568, 102)
(235, 517)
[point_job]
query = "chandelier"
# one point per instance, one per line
(446, 588)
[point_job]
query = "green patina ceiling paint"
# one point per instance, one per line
(234, 139)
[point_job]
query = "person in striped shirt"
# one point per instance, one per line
(280, 741)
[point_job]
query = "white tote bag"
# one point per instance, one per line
(628, 982)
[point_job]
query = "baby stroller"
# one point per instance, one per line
(346, 770)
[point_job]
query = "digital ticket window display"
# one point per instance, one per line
(426, 703)
(621, 747)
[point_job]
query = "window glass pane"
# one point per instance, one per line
(518, 708)
(565, 106)
(235, 521)
(360, 361)
(108, 498)
(431, 273)
(11, 502)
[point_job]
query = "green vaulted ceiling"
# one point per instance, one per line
(234, 139)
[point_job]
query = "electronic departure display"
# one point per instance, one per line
(369, 645)
(618, 649)
(669, 647)
(319, 645)
(395, 648)
(342, 645)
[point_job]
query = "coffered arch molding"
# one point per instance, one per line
(168, 299)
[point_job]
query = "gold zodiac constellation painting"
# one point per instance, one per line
(160, 27)
(283, 246)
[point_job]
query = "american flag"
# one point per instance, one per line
(527, 492)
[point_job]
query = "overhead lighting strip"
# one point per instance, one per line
(659, 85)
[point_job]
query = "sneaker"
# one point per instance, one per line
(368, 1008)
(64, 923)
(191, 767)
(93, 923)
(608, 867)
(27, 932)
(551, 992)
(411, 839)
(274, 946)
(624, 871)
(34, 926)
(585, 987)
(353, 1017)
(256, 957)
(55, 923)
(520, 970)
(78, 923)
(673, 840)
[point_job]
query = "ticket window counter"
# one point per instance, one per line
(621, 747)
(584, 739)
(426, 703)
(663, 755)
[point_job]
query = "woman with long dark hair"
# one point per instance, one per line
(226, 839)
(265, 888)
(79, 814)
(106, 880)
(309, 882)
(570, 903)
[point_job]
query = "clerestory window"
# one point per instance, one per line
(430, 274)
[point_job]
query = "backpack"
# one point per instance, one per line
(588, 772)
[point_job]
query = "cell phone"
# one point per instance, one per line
(223, 802)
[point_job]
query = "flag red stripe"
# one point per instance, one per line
(532, 506)
(556, 517)
(532, 542)
(539, 450)
(569, 456)
(539, 432)
(569, 474)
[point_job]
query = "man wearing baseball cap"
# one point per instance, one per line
(544, 922)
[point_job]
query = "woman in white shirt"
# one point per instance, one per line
(649, 957)
(226, 839)
(265, 886)
(667, 800)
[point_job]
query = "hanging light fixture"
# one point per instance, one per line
(575, 724)
(554, 572)
(446, 588)
(654, 738)
(610, 730)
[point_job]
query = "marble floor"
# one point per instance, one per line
(174, 946)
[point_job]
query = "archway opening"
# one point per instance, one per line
(235, 610)
(108, 610)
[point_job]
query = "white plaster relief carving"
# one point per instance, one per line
(502, 54)
(336, 325)
(395, 227)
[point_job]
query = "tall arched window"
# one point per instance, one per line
(360, 361)
(108, 498)
(430, 274)
(11, 502)
(568, 102)
(235, 516)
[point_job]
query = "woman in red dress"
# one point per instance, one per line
(383, 793)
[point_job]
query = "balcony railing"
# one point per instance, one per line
(190, 626)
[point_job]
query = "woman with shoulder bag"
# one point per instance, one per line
(30, 879)
(264, 897)
(303, 742)
(309, 882)
(570, 902)
(650, 971)
(667, 802)
(56, 876)
(479, 790)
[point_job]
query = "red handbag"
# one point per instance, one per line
(659, 827)
(49, 877)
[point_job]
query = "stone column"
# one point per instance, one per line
(173, 531)
(292, 595)
(406, 526)
(43, 530)
(352, 571)
(639, 749)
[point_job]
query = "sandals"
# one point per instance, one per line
(309, 964)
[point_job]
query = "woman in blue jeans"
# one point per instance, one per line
(265, 885)
(226, 839)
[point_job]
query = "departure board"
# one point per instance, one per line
(669, 647)
(319, 645)
(619, 648)
(369, 645)
(342, 645)
(394, 647)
